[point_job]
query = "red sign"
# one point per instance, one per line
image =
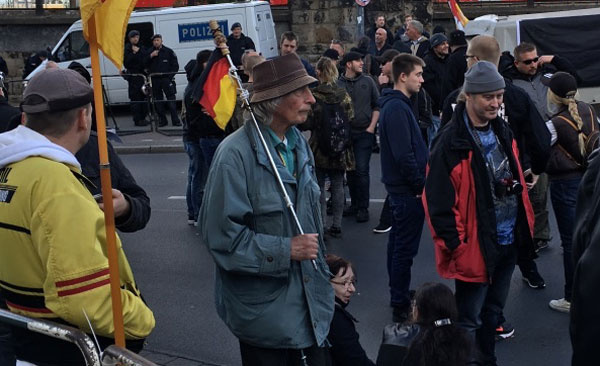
(363, 2)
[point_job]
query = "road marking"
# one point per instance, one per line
(147, 140)
(374, 200)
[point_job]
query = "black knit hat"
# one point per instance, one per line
(457, 38)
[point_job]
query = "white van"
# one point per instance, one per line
(572, 34)
(184, 29)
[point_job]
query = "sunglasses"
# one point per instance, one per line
(528, 62)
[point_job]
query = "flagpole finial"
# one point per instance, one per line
(219, 37)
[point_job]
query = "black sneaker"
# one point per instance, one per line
(334, 232)
(534, 279)
(191, 220)
(400, 314)
(540, 244)
(504, 331)
(362, 215)
(349, 211)
(382, 228)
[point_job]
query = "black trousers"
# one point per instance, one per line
(166, 86)
(139, 107)
(256, 356)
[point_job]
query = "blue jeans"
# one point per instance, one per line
(433, 129)
(480, 305)
(403, 244)
(358, 179)
(209, 147)
(197, 172)
(563, 194)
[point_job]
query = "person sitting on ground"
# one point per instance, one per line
(432, 338)
(345, 346)
(332, 163)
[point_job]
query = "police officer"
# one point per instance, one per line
(162, 59)
(134, 64)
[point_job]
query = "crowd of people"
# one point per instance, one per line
(470, 141)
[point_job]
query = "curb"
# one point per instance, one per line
(147, 149)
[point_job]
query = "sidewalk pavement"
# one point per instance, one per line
(142, 140)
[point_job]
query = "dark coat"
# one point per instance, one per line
(566, 160)
(9, 116)
(423, 48)
(456, 66)
(459, 204)
(3, 66)
(585, 312)
(31, 64)
(345, 346)
(528, 127)
(401, 47)
(165, 62)
(237, 47)
(121, 179)
(434, 74)
(397, 339)
(403, 152)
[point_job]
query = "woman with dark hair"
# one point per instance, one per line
(345, 348)
(192, 131)
(433, 338)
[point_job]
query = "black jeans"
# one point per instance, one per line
(138, 105)
(257, 356)
(480, 305)
(359, 179)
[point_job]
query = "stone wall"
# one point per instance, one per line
(317, 22)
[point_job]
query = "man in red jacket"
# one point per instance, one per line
(476, 207)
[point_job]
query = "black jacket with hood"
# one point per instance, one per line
(237, 47)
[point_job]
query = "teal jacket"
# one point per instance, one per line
(266, 299)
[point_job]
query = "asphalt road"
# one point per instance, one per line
(176, 273)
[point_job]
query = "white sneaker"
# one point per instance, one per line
(561, 305)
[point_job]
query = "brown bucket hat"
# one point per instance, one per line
(279, 76)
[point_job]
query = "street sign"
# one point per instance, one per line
(363, 2)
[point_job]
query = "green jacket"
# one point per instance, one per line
(265, 298)
(329, 94)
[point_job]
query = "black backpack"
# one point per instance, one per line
(334, 129)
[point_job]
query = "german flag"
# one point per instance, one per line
(215, 90)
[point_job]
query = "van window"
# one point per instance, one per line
(146, 32)
(73, 47)
(262, 33)
(270, 26)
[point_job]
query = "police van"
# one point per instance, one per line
(572, 34)
(185, 30)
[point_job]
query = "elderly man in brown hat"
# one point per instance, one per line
(267, 291)
(52, 236)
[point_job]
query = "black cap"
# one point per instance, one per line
(457, 38)
(133, 33)
(351, 56)
(156, 36)
(387, 56)
(437, 39)
(332, 54)
(561, 83)
(236, 25)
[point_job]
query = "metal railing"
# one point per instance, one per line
(111, 356)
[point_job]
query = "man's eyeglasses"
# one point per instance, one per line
(346, 283)
(528, 62)
(467, 57)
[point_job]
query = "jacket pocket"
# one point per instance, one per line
(268, 213)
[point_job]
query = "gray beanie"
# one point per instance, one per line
(483, 77)
(437, 39)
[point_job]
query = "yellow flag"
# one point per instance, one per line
(111, 24)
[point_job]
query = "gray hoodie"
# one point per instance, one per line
(364, 94)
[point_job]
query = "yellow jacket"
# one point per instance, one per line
(53, 261)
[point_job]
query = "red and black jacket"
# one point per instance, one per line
(459, 204)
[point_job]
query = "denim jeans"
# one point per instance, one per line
(433, 129)
(197, 173)
(538, 196)
(359, 179)
(209, 147)
(336, 177)
(563, 194)
(480, 306)
(408, 216)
